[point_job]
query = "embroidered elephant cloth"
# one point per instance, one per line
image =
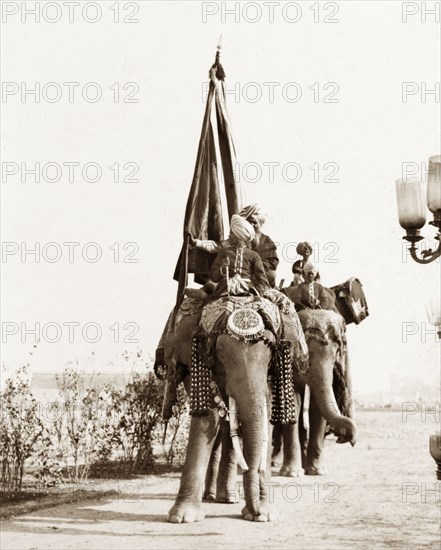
(223, 307)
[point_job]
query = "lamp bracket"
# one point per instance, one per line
(427, 256)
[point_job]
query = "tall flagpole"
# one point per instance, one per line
(203, 214)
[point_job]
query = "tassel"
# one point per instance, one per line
(200, 378)
(283, 409)
(220, 73)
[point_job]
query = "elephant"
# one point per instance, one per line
(240, 370)
(325, 334)
(238, 366)
(176, 360)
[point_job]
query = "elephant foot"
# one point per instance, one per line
(185, 512)
(276, 458)
(316, 471)
(291, 471)
(265, 514)
(230, 498)
(344, 438)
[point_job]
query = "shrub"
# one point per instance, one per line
(20, 429)
(75, 424)
(177, 428)
(140, 415)
(91, 426)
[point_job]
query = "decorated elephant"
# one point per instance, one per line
(330, 395)
(231, 391)
(221, 471)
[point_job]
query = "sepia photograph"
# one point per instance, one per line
(220, 274)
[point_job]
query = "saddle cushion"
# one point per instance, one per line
(215, 316)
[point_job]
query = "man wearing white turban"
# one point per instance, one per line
(310, 293)
(241, 229)
(237, 268)
(237, 264)
(304, 249)
(261, 243)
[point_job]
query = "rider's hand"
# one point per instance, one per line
(191, 240)
(159, 367)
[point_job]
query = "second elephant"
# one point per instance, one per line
(325, 332)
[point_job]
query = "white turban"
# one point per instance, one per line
(253, 210)
(310, 266)
(242, 229)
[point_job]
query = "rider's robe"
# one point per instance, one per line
(241, 262)
(265, 247)
(311, 295)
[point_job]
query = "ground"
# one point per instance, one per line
(382, 493)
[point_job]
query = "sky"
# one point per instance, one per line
(329, 105)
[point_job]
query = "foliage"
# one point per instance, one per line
(75, 430)
(175, 446)
(20, 428)
(90, 427)
(140, 413)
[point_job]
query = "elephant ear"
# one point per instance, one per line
(342, 382)
(327, 300)
(293, 293)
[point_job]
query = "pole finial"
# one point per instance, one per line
(220, 73)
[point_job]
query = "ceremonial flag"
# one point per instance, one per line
(203, 214)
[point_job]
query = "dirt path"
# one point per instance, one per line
(381, 494)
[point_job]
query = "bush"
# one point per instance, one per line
(91, 426)
(76, 430)
(20, 429)
(140, 415)
(175, 445)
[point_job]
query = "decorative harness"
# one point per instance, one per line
(245, 319)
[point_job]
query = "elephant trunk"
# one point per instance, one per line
(253, 418)
(320, 378)
(234, 434)
(253, 435)
(246, 370)
(265, 441)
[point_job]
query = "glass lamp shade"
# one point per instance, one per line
(434, 184)
(433, 308)
(411, 207)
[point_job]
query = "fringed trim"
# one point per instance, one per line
(204, 392)
(283, 405)
(244, 337)
(200, 378)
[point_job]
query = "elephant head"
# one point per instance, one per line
(325, 334)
